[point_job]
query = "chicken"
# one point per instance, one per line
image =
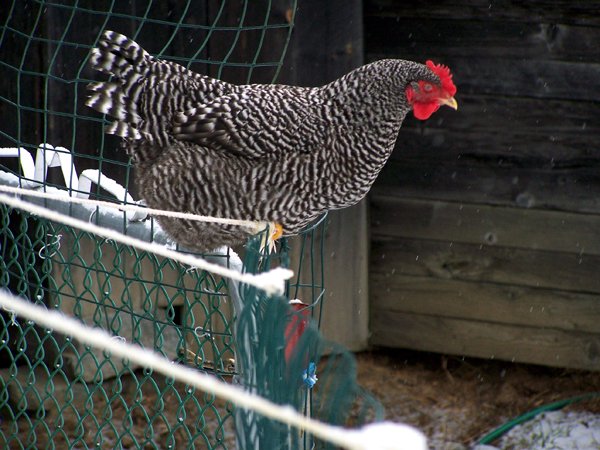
(275, 153)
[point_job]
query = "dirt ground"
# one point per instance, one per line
(455, 401)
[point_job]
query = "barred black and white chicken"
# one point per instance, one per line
(273, 153)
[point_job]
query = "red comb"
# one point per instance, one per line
(445, 76)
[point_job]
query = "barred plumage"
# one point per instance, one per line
(257, 152)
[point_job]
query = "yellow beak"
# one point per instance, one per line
(450, 101)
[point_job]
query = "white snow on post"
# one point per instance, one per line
(90, 176)
(389, 436)
(25, 159)
(49, 156)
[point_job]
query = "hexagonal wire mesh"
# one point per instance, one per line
(57, 393)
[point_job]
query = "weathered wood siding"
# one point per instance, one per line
(486, 222)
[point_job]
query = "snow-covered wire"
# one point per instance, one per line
(251, 225)
(272, 282)
(380, 436)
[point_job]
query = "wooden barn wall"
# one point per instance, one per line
(485, 224)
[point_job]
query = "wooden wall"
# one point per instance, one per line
(486, 222)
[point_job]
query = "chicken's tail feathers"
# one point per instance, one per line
(118, 55)
(145, 93)
(110, 98)
(129, 63)
(127, 131)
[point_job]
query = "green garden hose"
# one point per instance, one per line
(502, 429)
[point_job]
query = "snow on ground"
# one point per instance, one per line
(557, 430)
(457, 401)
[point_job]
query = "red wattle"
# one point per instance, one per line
(423, 111)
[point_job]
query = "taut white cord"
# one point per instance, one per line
(251, 225)
(272, 282)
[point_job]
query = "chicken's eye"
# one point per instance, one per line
(427, 87)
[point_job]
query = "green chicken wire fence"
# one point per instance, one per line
(57, 393)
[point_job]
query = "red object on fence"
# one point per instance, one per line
(297, 322)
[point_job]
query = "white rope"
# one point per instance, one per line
(383, 436)
(251, 225)
(272, 282)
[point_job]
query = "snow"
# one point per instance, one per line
(273, 281)
(556, 430)
(389, 436)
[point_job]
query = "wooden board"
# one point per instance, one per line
(514, 148)
(527, 78)
(346, 308)
(471, 262)
(487, 302)
(571, 189)
(486, 339)
(472, 38)
(469, 223)
(548, 11)
(570, 123)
